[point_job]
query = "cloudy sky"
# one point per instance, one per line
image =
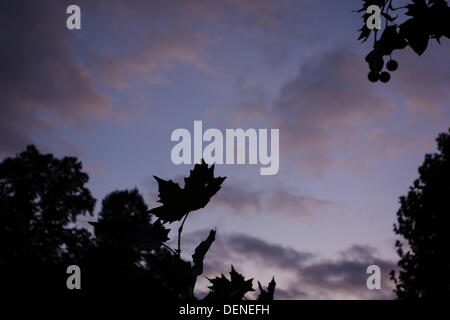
(112, 93)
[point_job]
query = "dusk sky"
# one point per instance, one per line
(112, 93)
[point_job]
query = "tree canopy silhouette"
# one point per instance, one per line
(423, 221)
(425, 20)
(41, 198)
(41, 201)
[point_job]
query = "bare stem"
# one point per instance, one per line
(375, 38)
(179, 235)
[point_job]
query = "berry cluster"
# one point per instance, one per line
(376, 74)
(389, 41)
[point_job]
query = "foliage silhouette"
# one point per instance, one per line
(426, 20)
(423, 221)
(229, 290)
(198, 189)
(124, 219)
(41, 198)
(178, 202)
(41, 201)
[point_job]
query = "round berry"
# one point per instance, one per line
(379, 63)
(392, 65)
(376, 65)
(385, 77)
(373, 76)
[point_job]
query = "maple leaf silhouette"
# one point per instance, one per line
(234, 289)
(267, 295)
(198, 189)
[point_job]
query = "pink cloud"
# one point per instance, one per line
(149, 61)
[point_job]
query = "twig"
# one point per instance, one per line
(387, 13)
(180, 229)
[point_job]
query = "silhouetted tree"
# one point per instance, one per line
(425, 20)
(41, 198)
(114, 259)
(423, 220)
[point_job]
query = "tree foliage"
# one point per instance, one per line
(425, 20)
(423, 221)
(41, 198)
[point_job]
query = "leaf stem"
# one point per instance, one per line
(180, 229)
